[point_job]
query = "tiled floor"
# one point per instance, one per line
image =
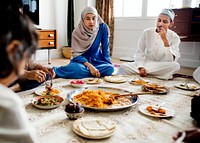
(64, 61)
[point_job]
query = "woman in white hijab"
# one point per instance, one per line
(158, 50)
(90, 49)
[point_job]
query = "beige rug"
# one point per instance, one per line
(132, 126)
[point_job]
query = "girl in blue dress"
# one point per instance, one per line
(90, 49)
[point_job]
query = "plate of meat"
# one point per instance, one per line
(153, 111)
(43, 91)
(188, 86)
(155, 88)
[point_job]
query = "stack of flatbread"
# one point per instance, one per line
(94, 128)
(115, 79)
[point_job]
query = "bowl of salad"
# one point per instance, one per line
(47, 102)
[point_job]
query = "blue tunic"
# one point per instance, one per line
(100, 59)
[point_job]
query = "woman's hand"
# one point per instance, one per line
(142, 71)
(93, 70)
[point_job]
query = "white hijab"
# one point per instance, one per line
(83, 37)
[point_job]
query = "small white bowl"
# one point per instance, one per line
(77, 83)
(74, 116)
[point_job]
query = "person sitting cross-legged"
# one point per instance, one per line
(90, 49)
(158, 50)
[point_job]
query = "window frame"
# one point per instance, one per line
(144, 11)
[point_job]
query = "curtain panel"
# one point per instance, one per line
(106, 11)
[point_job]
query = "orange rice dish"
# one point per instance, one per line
(100, 99)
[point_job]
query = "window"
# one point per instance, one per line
(145, 8)
(128, 8)
(154, 7)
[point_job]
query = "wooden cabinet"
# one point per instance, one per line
(187, 23)
(47, 39)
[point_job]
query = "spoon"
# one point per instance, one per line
(131, 94)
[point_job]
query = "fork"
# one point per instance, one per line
(51, 83)
(185, 85)
(48, 85)
(155, 108)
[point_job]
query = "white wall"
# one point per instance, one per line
(128, 31)
(47, 14)
(190, 54)
(52, 16)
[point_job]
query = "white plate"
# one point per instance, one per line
(169, 112)
(40, 91)
(94, 128)
(93, 80)
(162, 89)
(133, 99)
(189, 87)
(115, 79)
(46, 107)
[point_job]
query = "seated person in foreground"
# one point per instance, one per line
(18, 41)
(196, 75)
(90, 49)
(158, 50)
(35, 74)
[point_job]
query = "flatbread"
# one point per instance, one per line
(94, 127)
(115, 79)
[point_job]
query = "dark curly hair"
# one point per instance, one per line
(15, 26)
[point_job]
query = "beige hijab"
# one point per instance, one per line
(83, 37)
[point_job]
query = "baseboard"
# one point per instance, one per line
(126, 59)
(189, 63)
(43, 54)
